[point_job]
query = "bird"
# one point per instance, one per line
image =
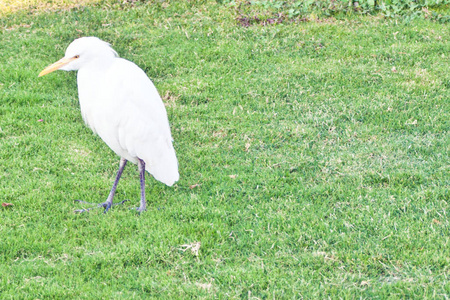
(122, 106)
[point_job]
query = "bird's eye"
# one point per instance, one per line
(76, 56)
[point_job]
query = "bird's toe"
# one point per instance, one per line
(106, 206)
(139, 209)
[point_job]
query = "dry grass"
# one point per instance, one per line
(11, 6)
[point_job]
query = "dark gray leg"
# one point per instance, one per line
(141, 166)
(109, 201)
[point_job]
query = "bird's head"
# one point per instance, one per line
(79, 53)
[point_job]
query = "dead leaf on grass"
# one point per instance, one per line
(205, 286)
(194, 186)
(194, 247)
(170, 99)
(409, 122)
(437, 222)
(365, 283)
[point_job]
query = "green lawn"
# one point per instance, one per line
(314, 159)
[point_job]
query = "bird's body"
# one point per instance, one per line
(131, 120)
(120, 103)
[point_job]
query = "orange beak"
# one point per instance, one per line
(55, 66)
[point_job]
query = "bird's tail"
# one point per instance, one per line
(164, 167)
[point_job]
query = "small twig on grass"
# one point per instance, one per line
(194, 247)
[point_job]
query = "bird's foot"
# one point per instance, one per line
(106, 205)
(139, 209)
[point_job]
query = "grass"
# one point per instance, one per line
(13, 6)
(313, 159)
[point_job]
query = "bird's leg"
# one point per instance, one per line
(109, 201)
(141, 167)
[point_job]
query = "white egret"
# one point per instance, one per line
(120, 104)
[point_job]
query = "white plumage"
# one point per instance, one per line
(120, 103)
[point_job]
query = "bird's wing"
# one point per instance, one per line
(143, 125)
